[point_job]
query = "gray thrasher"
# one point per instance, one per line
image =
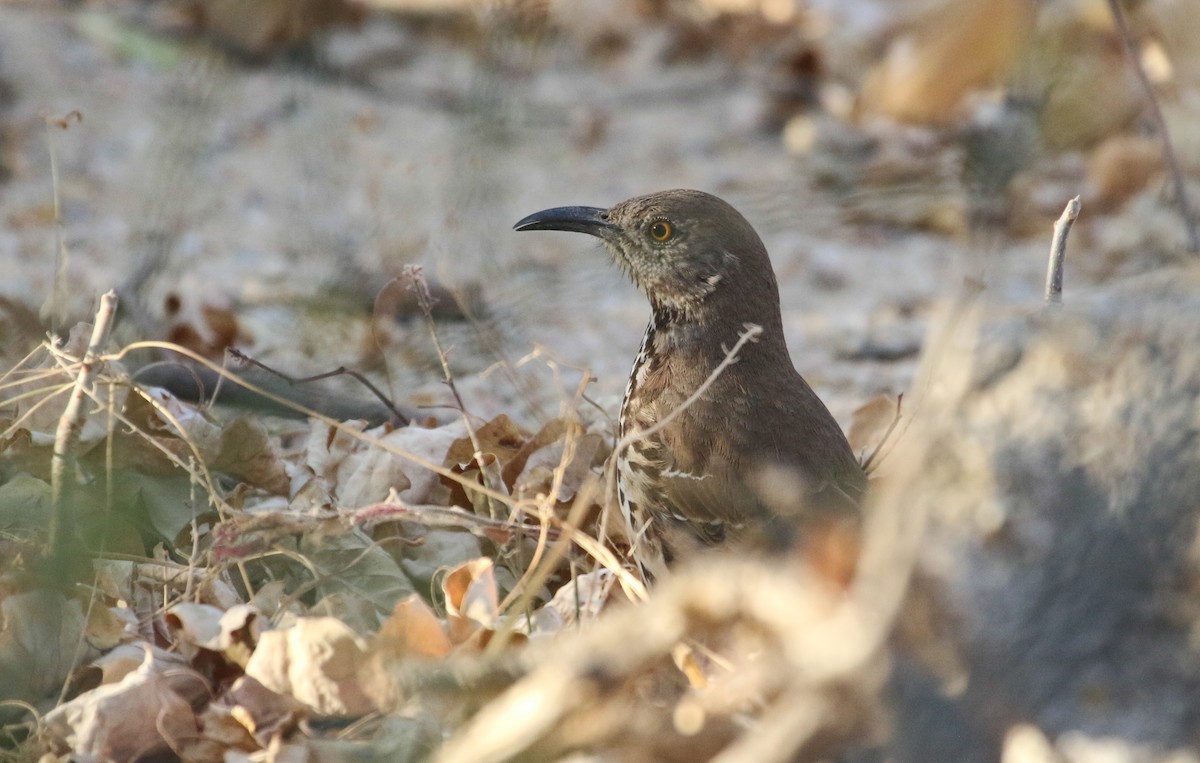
(757, 457)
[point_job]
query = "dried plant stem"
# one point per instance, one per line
(425, 301)
(1133, 50)
(400, 418)
(351, 432)
(873, 461)
(536, 572)
(70, 426)
(495, 530)
(56, 307)
(1058, 252)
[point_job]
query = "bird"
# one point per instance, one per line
(715, 449)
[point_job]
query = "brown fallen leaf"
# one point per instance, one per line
(412, 631)
(500, 437)
(957, 46)
(472, 598)
(249, 453)
(143, 714)
(316, 663)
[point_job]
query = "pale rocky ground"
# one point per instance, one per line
(270, 185)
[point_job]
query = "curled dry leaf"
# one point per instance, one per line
(221, 732)
(240, 628)
(412, 631)
(316, 663)
(499, 437)
(117, 663)
(359, 472)
(171, 425)
(195, 627)
(264, 713)
(472, 598)
(537, 476)
(148, 711)
(248, 453)
(108, 626)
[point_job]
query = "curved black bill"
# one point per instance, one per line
(588, 220)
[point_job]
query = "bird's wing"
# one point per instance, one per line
(737, 497)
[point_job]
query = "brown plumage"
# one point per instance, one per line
(757, 455)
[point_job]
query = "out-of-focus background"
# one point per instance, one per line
(255, 173)
(263, 175)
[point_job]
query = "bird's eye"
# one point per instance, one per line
(661, 231)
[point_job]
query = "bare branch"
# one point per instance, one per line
(70, 426)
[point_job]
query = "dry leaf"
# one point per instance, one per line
(109, 626)
(537, 477)
(957, 47)
(142, 714)
(500, 437)
(413, 631)
(248, 453)
(117, 663)
(315, 662)
(240, 629)
(581, 598)
(264, 713)
(553, 431)
(472, 599)
(361, 473)
(195, 627)
(221, 732)
(39, 635)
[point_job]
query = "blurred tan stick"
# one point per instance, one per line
(1058, 251)
(70, 426)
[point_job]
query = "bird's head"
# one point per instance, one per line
(680, 247)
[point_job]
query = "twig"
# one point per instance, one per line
(57, 307)
(870, 463)
(70, 426)
(339, 371)
(351, 432)
(1058, 252)
(1133, 50)
(496, 530)
(425, 301)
